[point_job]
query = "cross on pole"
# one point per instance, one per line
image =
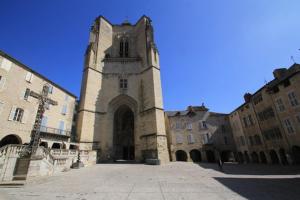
(44, 101)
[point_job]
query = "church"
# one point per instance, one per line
(121, 113)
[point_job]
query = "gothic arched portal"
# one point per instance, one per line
(123, 136)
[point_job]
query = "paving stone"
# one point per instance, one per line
(172, 181)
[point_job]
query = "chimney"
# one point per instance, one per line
(247, 97)
(279, 73)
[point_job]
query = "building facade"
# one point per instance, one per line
(269, 121)
(18, 109)
(197, 134)
(121, 110)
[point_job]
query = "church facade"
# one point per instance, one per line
(121, 111)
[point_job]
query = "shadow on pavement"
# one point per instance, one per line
(263, 188)
(253, 169)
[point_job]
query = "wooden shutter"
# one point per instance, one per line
(1, 106)
(64, 110)
(25, 117)
(22, 94)
(29, 77)
(12, 113)
(2, 83)
(50, 89)
(6, 64)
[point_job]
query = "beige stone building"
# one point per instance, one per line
(197, 134)
(18, 109)
(121, 109)
(270, 121)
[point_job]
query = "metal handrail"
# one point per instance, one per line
(55, 130)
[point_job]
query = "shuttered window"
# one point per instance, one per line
(1, 107)
(64, 110)
(179, 139)
(6, 64)
(293, 99)
(288, 126)
(2, 83)
(61, 126)
(191, 139)
(29, 77)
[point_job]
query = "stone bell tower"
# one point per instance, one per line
(121, 107)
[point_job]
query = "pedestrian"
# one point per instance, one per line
(220, 164)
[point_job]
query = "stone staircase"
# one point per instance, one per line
(45, 162)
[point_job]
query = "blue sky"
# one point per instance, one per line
(210, 51)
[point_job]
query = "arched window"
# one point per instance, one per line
(126, 49)
(121, 53)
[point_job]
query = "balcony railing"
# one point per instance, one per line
(46, 129)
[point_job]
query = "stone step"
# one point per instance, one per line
(12, 184)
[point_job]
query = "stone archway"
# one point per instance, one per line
(56, 146)
(240, 157)
(195, 155)
(254, 157)
(283, 157)
(181, 155)
(225, 156)
(247, 158)
(123, 135)
(274, 157)
(263, 158)
(10, 139)
(210, 156)
(296, 154)
(44, 144)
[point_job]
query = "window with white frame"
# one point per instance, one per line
(18, 115)
(288, 126)
(179, 139)
(29, 77)
(64, 110)
(66, 97)
(2, 82)
(44, 123)
(280, 105)
(50, 89)
(191, 139)
(61, 126)
(206, 137)
(1, 107)
(293, 99)
(189, 126)
(26, 94)
(6, 64)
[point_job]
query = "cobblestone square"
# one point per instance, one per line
(177, 180)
